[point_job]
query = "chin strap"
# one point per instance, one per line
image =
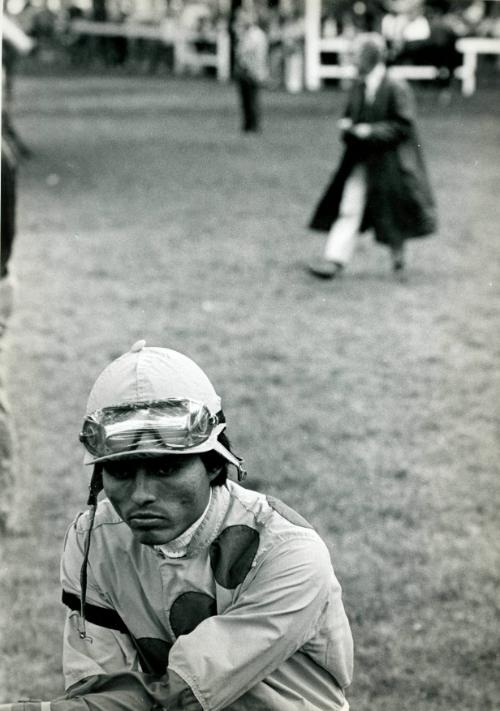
(242, 472)
(94, 489)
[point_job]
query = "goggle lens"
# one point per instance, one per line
(166, 425)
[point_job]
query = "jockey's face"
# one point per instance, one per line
(159, 497)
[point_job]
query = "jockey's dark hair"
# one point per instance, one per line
(214, 461)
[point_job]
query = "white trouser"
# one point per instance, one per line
(343, 234)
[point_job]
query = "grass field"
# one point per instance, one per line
(369, 405)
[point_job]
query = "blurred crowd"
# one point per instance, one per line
(407, 20)
(417, 31)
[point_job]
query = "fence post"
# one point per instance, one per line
(312, 33)
(469, 69)
(223, 54)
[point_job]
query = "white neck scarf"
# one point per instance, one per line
(178, 546)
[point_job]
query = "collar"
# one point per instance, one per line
(373, 80)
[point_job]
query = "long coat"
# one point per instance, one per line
(399, 201)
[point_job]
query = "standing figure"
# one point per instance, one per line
(15, 43)
(250, 67)
(381, 182)
(8, 449)
(8, 446)
(186, 591)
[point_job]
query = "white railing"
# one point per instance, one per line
(186, 55)
(470, 47)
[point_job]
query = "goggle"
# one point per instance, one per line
(174, 425)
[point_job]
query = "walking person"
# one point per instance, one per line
(186, 591)
(381, 182)
(251, 68)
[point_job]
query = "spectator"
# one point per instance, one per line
(251, 67)
(9, 194)
(15, 43)
(436, 46)
(381, 181)
(8, 230)
(194, 593)
(405, 25)
(7, 436)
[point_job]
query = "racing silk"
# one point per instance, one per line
(249, 619)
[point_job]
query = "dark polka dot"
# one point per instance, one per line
(189, 609)
(153, 654)
(287, 512)
(232, 554)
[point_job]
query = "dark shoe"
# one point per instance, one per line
(398, 268)
(325, 268)
(250, 128)
(398, 260)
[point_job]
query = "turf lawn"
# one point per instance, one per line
(367, 404)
